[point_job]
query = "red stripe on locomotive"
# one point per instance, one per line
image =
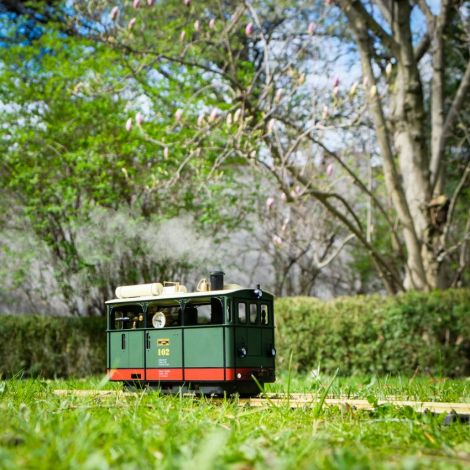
(215, 374)
(165, 374)
(126, 374)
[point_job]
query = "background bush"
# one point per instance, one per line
(50, 347)
(428, 333)
(423, 332)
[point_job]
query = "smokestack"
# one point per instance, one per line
(217, 280)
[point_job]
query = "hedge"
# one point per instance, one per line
(45, 346)
(426, 333)
(414, 332)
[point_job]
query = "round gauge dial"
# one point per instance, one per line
(159, 320)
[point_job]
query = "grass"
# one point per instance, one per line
(147, 430)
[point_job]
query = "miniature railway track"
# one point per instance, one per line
(303, 400)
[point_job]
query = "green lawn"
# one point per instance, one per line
(146, 430)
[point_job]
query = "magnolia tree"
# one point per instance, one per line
(343, 103)
(301, 242)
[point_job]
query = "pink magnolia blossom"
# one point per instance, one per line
(212, 23)
(335, 91)
(187, 2)
(285, 224)
(197, 26)
(129, 125)
(283, 197)
(114, 13)
(249, 29)
(329, 169)
(213, 115)
(136, 3)
(139, 119)
(200, 120)
(311, 28)
(269, 203)
(353, 89)
(131, 23)
(329, 2)
(150, 3)
(270, 126)
(178, 115)
(277, 240)
(336, 82)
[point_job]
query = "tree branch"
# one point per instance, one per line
(458, 102)
(357, 12)
(385, 8)
(463, 253)
(321, 265)
(449, 123)
(422, 47)
(430, 18)
(453, 201)
(356, 179)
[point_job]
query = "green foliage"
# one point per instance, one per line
(414, 332)
(66, 154)
(52, 346)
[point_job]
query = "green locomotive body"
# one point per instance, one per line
(214, 341)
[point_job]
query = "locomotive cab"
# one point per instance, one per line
(211, 342)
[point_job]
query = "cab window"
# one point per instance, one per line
(241, 313)
(204, 312)
(164, 314)
(253, 313)
(264, 314)
(127, 317)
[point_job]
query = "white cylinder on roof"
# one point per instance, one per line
(174, 289)
(139, 290)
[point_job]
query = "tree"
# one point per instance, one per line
(74, 142)
(414, 157)
(256, 59)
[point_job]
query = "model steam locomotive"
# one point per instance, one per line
(219, 339)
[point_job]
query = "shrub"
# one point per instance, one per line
(423, 332)
(52, 346)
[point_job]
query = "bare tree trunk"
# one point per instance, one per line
(401, 137)
(409, 132)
